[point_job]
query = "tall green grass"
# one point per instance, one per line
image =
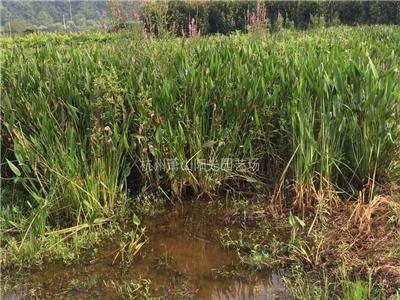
(82, 113)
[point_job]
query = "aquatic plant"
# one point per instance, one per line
(139, 288)
(87, 117)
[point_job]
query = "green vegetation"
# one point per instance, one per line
(20, 15)
(134, 289)
(97, 127)
(303, 288)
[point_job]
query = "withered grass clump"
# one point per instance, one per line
(365, 237)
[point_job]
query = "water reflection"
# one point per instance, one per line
(184, 238)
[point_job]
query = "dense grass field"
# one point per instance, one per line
(90, 121)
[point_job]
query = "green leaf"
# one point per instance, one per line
(291, 220)
(125, 142)
(38, 198)
(18, 156)
(373, 69)
(300, 221)
(14, 168)
(158, 135)
(91, 219)
(135, 220)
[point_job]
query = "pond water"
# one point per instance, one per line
(181, 259)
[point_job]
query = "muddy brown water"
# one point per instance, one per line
(180, 258)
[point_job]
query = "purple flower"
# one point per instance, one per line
(253, 19)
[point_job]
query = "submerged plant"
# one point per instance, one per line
(135, 289)
(132, 242)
